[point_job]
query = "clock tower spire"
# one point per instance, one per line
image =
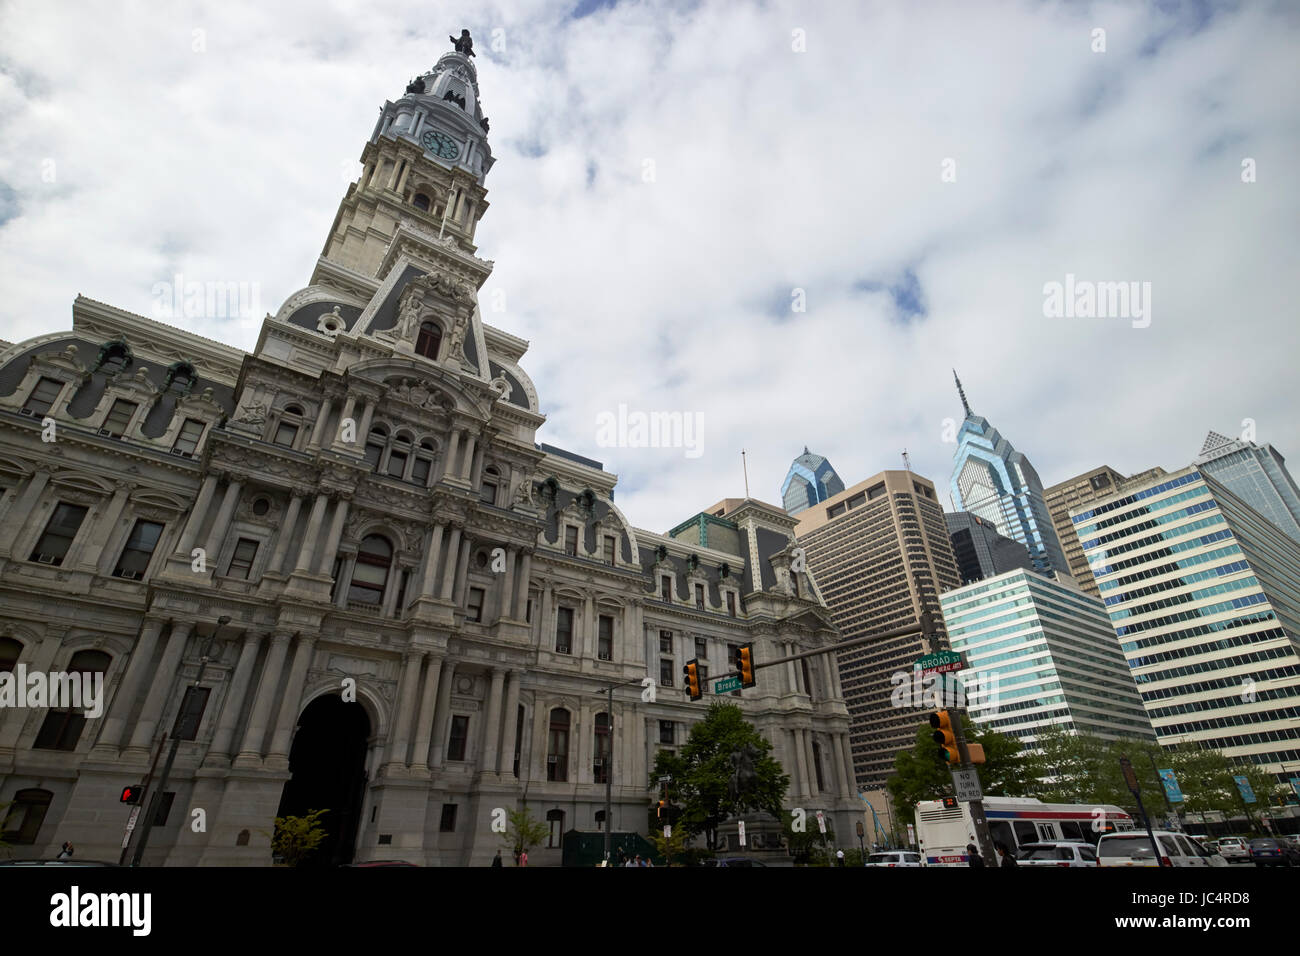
(424, 167)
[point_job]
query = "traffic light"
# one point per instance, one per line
(745, 664)
(944, 736)
(692, 672)
(661, 809)
(132, 794)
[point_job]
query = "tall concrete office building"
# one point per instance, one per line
(1040, 653)
(1076, 493)
(881, 554)
(993, 480)
(1257, 475)
(1204, 596)
(980, 551)
(810, 479)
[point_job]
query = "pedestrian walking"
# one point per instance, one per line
(523, 858)
(496, 860)
(66, 852)
(1008, 858)
(839, 857)
(973, 858)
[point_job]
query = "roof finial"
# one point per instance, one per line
(960, 391)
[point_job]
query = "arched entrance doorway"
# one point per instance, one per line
(328, 763)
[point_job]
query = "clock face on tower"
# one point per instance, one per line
(440, 144)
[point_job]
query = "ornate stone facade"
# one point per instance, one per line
(364, 499)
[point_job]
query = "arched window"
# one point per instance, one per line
(113, 357)
(423, 465)
(67, 716)
(286, 432)
(557, 746)
(487, 492)
(421, 201)
(180, 378)
(375, 444)
(370, 574)
(429, 340)
(555, 821)
(22, 821)
(10, 651)
(399, 455)
(600, 763)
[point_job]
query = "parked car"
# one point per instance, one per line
(1133, 848)
(1269, 852)
(894, 858)
(1057, 853)
(1234, 849)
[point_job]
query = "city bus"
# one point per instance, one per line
(943, 827)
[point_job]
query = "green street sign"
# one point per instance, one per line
(940, 663)
(725, 684)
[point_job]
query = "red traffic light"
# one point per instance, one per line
(132, 794)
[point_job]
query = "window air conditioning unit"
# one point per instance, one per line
(562, 648)
(30, 413)
(46, 558)
(183, 454)
(103, 431)
(129, 575)
(606, 657)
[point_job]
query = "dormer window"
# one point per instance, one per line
(429, 341)
(421, 202)
(113, 357)
(180, 377)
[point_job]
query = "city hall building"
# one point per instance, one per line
(405, 609)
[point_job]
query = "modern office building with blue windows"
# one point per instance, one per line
(1204, 596)
(811, 480)
(993, 480)
(1257, 475)
(1040, 653)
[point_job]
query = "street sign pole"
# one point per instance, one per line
(978, 820)
(1131, 779)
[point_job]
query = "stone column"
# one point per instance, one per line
(589, 626)
(349, 407)
(286, 532)
(250, 751)
(234, 701)
(400, 738)
(449, 570)
(344, 581)
(801, 759)
(307, 552)
(467, 465)
(367, 416)
(424, 723)
(142, 739)
(222, 524)
(508, 586)
(129, 690)
(428, 581)
(318, 430)
(288, 716)
(462, 570)
(847, 745)
(511, 717)
(197, 514)
(837, 758)
(546, 628)
(332, 537)
(525, 574)
(492, 730)
(791, 671)
(442, 711)
(813, 788)
(452, 448)
(93, 551)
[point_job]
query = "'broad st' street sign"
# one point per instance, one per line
(725, 684)
(940, 663)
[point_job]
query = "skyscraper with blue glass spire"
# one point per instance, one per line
(993, 480)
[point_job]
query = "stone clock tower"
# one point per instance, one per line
(425, 163)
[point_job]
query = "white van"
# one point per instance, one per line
(1134, 849)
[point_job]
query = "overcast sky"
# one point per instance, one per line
(674, 180)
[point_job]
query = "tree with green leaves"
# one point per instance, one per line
(923, 773)
(701, 774)
(670, 848)
(296, 838)
(523, 832)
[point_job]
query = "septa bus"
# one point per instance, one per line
(944, 827)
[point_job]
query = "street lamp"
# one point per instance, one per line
(194, 717)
